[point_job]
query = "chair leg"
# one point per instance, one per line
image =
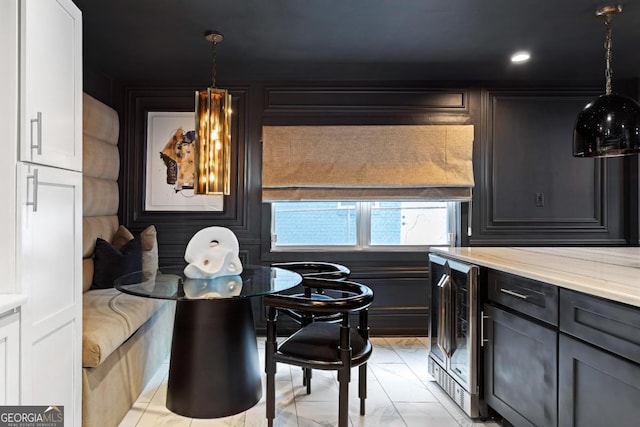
(362, 386)
(271, 346)
(306, 379)
(271, 395)
(271, 392)
(343, 397)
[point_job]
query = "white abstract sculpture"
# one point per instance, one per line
(212, 252)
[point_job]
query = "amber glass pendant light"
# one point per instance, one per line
(213, 134)
(610, 125)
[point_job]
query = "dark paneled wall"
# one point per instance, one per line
(522, 148)
(241, 209)
(532, 190)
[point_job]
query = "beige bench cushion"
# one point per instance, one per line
(109, 318)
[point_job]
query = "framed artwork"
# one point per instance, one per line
(170, 166)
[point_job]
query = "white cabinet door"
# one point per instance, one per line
(9, 124)
(10, 358)
(50, 273)
(51, 83)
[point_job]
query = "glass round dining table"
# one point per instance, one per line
(214, 369)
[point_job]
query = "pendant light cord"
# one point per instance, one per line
(607, 45)
(213, 71)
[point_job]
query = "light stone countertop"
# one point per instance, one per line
(612, 273)
(11, 301)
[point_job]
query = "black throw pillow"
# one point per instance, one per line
(109, 263)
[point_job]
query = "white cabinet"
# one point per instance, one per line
(51, 83)
(9, 126)
(50, 270)
(41, 250)
(10, 358)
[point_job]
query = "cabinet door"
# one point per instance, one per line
(520, 369)
(51, 83)
(596, 388)
(10, 359)
(49, 270)
(9, 116)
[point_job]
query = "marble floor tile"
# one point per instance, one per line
(416, 360)
(383, 352)
(401, 384)
(237, 420)
(157, 414)
(324, 386)
(421, 414)
(380, 416)
(379, 410)
(161, 375)
(133, 416)
(286, 415)
(407, 343)
(400, 393)
(477, 423)
(162, 417)
(317, 414)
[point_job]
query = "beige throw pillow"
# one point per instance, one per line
(148, 237)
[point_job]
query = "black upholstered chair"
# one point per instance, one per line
(322, 345)
(313, 270)
(317, 270)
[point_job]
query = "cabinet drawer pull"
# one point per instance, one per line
(33, 203)
(38, 122)
(514, 294)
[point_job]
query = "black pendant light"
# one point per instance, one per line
(610, 125)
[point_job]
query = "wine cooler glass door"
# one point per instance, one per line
(437, 327)
(462, 360)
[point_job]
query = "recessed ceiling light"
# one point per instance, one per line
(520, 57)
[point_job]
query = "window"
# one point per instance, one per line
(377, 225)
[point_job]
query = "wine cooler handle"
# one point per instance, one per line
(443, 313)
(443, 281)
(452, 334)
(482, 338)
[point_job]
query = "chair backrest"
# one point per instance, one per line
(349, 297)
(316, 269)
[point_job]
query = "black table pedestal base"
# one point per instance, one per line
(214, 369)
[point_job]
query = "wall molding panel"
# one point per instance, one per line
(533, 191)
(365, 105)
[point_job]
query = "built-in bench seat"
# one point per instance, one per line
(125, 338)
(109, 319)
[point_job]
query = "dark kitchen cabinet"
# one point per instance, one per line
(520, 362)
(551, 356)
(599, 362)
(596, 388)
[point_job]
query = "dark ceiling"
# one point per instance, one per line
(161, 41)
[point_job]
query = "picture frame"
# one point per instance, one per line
(169, 165)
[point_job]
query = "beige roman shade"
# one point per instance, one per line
(432, 162)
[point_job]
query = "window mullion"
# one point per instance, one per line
(452, 223)
(364, 224)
